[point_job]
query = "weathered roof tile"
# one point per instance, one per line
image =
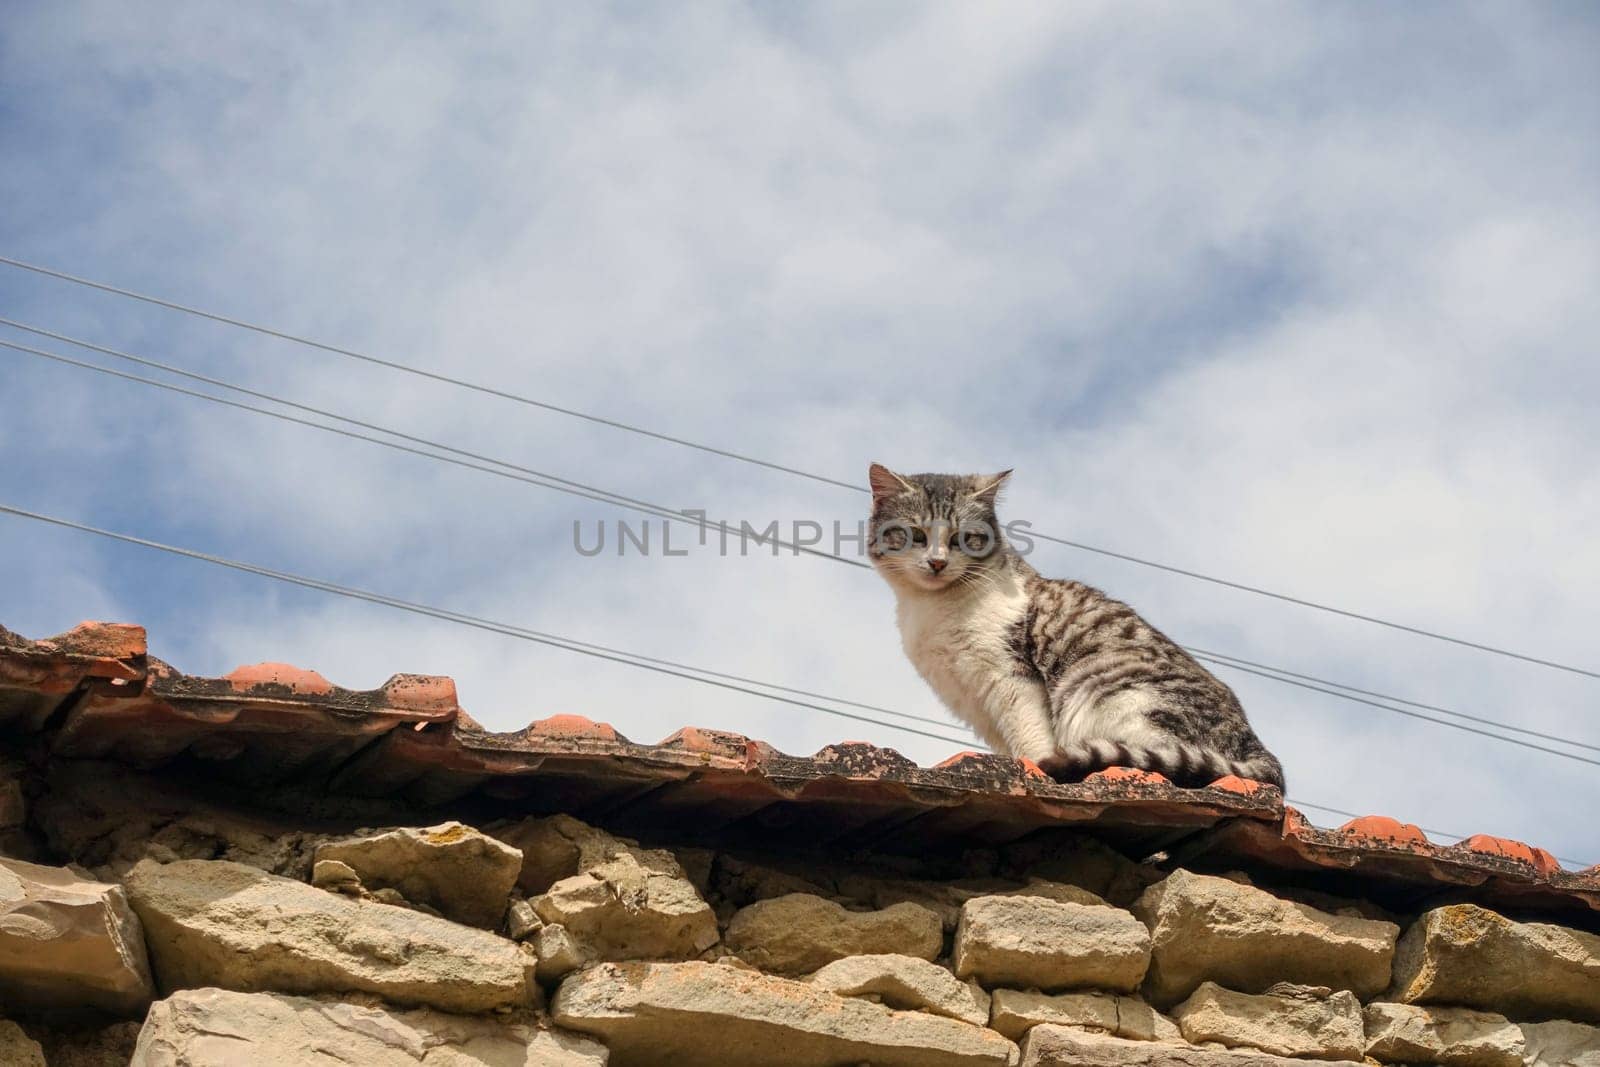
(95, 692)
(1383, 828)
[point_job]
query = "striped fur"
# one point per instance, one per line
(1046, 669)
(1183, 763)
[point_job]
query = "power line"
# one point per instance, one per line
(1408, 714)
(542, 637)
(553, 640)
(539, 478)
(1223, 659)
(421, 372)
(259, 395)
(1298, 803)
(1314, 605)
(795, 471)
(531, 477)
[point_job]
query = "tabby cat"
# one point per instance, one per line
(1042, 668)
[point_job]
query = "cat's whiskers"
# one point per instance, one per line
(978, 575)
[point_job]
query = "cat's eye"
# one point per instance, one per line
(919, 536)
(976, 542)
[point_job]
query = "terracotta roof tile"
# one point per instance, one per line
(1537, 858)
(1232, 783)
(1127, 774)
(1383, 828)
(95, 692)
(34, 675)
(1382, 850)
(572, 726)
(279, 675)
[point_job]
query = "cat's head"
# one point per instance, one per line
(934, 531)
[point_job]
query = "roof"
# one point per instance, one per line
(95, 692)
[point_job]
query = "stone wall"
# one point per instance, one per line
(142, 922)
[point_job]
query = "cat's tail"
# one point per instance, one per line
(1182, 762)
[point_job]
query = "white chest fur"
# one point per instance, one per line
(960, 642)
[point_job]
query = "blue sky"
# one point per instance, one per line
(1293, 294)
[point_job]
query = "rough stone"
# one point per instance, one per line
(946, 898)
(336, 876)
(558, 954)
(1451, 1037)
(710, 1015)
(219, 1028)
(800, 933)
(1288, 1020)
(215, 923)
(1208, 928)
(1079, 860)
(1469, 956)
(742, 882)
(17, 1049)
(463, 874)
(1015, 1012)
(94, 1046)
(1561, 1044)
(1333, 903)
(68, 943)
(906, 982)
(1060, 892)
(522, 922)
(395, 899)
(109, 820)
(621, 909)
(1063, 1046)
(1035, 941)
(697, 864)
(559, 846)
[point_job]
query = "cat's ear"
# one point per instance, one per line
(988, 487)
(886, 483)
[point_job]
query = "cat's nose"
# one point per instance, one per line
(936, 565)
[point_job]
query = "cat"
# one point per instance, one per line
(1045, 669)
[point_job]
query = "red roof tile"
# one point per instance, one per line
(33, 674)
(1127, 774)
(1538, 858)
(1383, 828)
(1234, 784)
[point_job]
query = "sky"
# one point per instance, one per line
(1298, 295)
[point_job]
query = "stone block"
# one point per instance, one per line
(906, 982)
(621, 909)
(1032, 941)
(462, 874)
(1014, 1012)
(1064, 1046)
(221, 1028)
(69, 944)
(1288, 1020)
(216, 923)
(799, 933)
(700, 1014)
(1472, 957)
(1450, 1037)
(1208, 928)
